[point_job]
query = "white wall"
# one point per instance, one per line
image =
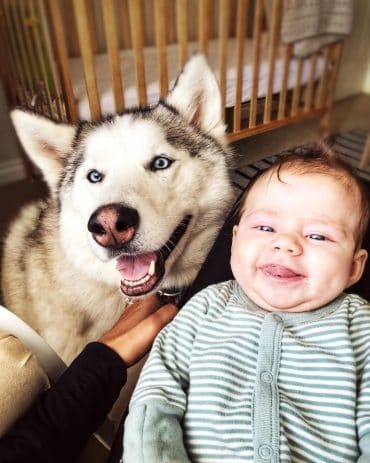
(354, 71)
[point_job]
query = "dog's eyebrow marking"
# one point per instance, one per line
(180, 136)
(180, 140)
(188, 138)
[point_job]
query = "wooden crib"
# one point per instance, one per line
(73, 59)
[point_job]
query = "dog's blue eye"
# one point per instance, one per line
(160, 163)
(94, 176)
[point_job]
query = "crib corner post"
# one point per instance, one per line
(326, 124)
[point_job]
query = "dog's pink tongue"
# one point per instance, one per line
(279, 271)
(134, 268)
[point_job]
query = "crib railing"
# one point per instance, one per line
(38, 38)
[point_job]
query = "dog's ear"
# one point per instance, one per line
(196, 95)
(47, 143)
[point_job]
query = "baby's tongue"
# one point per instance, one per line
(279, 271)
(135, 267)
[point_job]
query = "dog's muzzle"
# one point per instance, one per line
(113, 227)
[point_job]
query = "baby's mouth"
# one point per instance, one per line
(280, 272)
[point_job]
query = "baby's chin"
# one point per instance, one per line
(284, 302)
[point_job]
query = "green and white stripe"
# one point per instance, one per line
(254, 386)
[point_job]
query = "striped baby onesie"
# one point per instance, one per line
(229, 382)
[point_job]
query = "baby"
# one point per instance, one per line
(273, 366)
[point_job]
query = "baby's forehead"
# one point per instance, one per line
(285, 174)
(341, 183)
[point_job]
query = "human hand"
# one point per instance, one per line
(134, 332)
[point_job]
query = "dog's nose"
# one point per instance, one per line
(113, 225)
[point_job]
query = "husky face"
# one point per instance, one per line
(141, 194)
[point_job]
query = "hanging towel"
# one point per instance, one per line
(311, 24)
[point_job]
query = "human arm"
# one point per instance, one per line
(58, 425)
(153, 429)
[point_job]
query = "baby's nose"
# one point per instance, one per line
(286, 242)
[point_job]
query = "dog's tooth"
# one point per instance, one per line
(151, 270)
(132, 283)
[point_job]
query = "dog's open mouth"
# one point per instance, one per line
(141, 273)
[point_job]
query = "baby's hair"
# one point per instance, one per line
(317, 158)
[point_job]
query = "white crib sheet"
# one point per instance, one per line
(103, 75)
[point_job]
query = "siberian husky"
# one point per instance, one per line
(136, 200)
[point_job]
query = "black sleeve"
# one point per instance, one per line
(59, 424)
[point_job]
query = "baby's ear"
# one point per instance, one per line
(358, 266)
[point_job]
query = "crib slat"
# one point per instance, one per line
(257, 29)
(126, 37)
(223, 25)
(337, 54)
(241, 28)
(61, 52)
(83, 30)
(284, 81)
(26, 24)
(323, 78)
(6, 71)
(137, 36)
(111, 34)
(160, 37)
(169, 15)
(41, 59)
(297, 88)
(74, 46)
(60, 107)
(15, 54)
(90, 17)
(22, 49)
(310, 83)
(204, 24)
(7, 62)
(182, 30)
(274, 38)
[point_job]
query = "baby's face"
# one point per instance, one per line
(294, 248)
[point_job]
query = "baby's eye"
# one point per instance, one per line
(315, 236)
(265, 228)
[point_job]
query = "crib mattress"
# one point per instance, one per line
(104, 81)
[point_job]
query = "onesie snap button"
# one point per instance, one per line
(265, 451)
(266, 377)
